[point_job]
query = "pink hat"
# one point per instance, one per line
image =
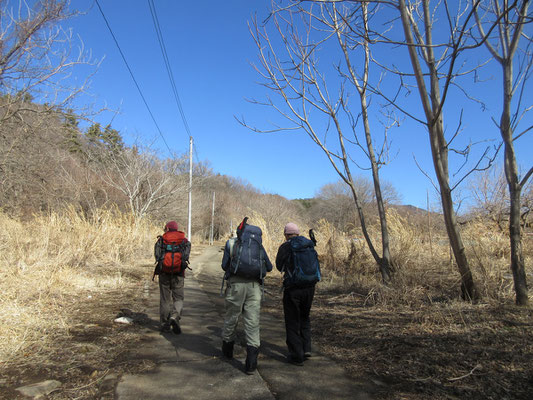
(291, 229)
(172, 226)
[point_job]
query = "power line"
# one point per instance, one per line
(133, 77)
(163, 48)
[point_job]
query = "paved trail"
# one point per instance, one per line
(190, 365)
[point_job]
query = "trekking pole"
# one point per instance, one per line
(312, 236)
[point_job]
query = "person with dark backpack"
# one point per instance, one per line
(171, 253)
(297, 259)
(245, 263)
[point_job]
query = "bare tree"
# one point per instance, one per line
(334, 202)
(301, 83)
(37, 58)
(147, 182)
(435, 67)
(490, 197)
(492, 201)
(511, 19)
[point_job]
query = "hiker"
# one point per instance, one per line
(171, 252)
(245, 263)
(298, 261)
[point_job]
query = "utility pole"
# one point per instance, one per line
(211, 238)
(190, 189)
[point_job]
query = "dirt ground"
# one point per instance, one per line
(91, 355)
(438, 351)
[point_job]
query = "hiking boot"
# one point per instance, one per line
(251, 359)
(307, 354)
(227, 349)
(294, 361)
(175, 326)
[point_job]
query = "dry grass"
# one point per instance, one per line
(54, 262)
(416, 339)
(272, 229)
(424, 269)
(415, 335)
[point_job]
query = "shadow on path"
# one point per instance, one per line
(190, 365)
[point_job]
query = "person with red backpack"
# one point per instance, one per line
(171, 253)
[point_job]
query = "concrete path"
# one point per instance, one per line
(190, 365)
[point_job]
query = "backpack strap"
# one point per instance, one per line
(238, 256)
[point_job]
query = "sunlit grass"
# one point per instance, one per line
(424, 267)
(52, 262)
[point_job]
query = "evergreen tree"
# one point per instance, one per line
(94, 133)
(113, 140)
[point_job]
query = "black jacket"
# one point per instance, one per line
(284, 258)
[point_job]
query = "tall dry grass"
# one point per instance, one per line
(424, 268)
(55, 260)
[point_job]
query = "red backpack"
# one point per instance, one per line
(173, 255)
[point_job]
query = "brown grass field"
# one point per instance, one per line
(65, 278)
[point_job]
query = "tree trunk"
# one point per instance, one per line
(440, 162)
(384, 262)
(431, 102)
(515, 189)
(517, 259)
(468, 288)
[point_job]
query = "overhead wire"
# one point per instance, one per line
(164, 52)
(163, 48)
(133, 76)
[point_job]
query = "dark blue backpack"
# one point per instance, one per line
(247, 259)
(306, 269)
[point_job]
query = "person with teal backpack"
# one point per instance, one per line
(297, 259)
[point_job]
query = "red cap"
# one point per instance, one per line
(171, 226)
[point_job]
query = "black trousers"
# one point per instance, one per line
(297, 307)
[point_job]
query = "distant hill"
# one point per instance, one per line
(403, 209)
(409, 210)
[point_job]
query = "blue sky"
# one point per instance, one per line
(210, 51)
